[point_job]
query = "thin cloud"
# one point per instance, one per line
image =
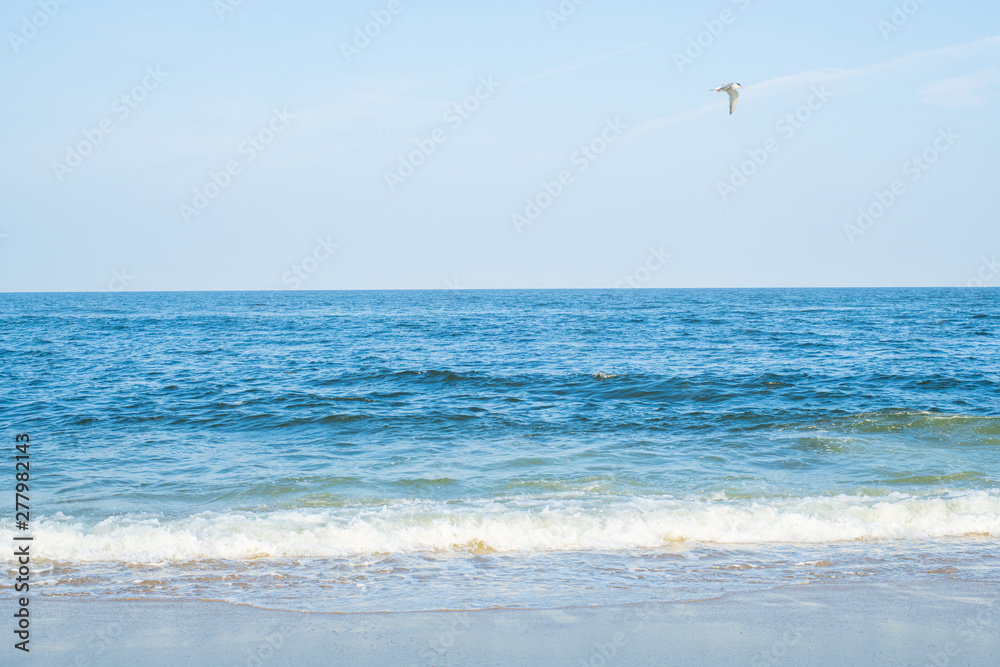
(810, 77)
(572, 66)
(384, 99)
(962, 91)
(836, 74)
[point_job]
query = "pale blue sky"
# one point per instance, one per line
(649, 208)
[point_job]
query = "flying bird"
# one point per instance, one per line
(731, 90)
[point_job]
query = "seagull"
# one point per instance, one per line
(731, 90)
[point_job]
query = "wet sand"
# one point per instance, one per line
(942, 623)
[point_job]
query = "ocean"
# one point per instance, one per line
(407, 450)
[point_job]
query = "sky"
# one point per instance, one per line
(433, 144)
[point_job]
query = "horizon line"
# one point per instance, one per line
(504, 289)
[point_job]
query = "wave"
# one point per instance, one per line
(584, 523)
(918, 421)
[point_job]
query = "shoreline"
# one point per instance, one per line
(937, 623)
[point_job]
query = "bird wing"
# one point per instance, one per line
(734, 97)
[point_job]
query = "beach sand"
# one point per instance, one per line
(937, 623)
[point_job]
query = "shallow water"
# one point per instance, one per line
(418, 450)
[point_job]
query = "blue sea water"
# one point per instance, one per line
(363, 451)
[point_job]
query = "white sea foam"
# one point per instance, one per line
(553, 524)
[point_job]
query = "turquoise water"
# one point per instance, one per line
(420, 450)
